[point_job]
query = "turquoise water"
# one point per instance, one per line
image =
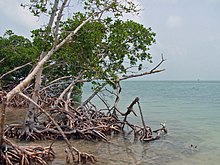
(191, 110)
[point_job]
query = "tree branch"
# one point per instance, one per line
(56, 80)
(31, 76)
(141, 74)
(152, 71)
(70, 86)
(15, 69)
(162, 60)
(2, 60)
(58, 21)
(93, 95)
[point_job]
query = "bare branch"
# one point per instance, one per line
(141, 74)
(162, 60)
(53, 14)
(118, 94)
(60, 14)
(94, 94)
(70, 86)
(2, 60)
(54, 81)
(152, 71)
(103, 100)
(60, 78)
(15, 69)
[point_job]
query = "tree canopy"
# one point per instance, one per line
(103, 49)
(16, 51)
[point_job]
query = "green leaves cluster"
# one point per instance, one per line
(16, 51)
(42, 39)
(102, 48)
(117, 8)
(37, 6)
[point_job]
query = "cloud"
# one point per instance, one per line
(15, 15)
(27, 18)
(174, 22)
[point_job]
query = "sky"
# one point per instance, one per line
(187, 33)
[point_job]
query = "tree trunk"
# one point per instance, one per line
(2, 123)
(30, 116)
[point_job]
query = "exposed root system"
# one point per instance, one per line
(81, 123)
(12, 154)
(61, 121)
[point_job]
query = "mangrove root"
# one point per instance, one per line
(12, 154)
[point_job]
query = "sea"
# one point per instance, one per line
(191, 111)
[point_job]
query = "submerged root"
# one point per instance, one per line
(12, 154)
(79, 157)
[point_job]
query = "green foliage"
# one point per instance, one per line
(128, 40)
(42, 39)
(37, 6)
(117, 8)
(102, 48)
(16, 51)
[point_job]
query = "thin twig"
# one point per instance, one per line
(162, 60)
(94, 94)
(152, 71)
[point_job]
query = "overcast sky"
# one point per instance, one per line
(187, 33)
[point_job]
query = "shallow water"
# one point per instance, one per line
(191, 111)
